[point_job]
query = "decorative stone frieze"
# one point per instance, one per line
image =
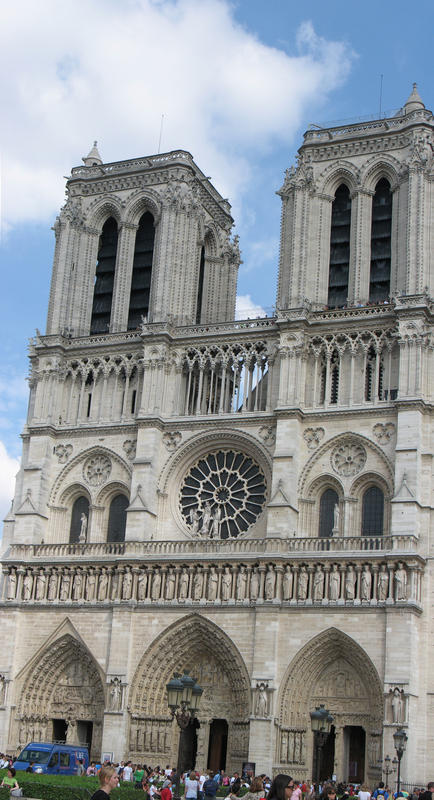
(63, 451)
(313, 436)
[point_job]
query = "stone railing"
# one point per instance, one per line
(218, 548)
(322, 581)
(118, 167)
(367, 127)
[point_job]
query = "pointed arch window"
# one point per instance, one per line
(381, 243)
(200, 286)
(80, 507)
(142, 271)
(373, 512)
(117, 519)
(339, 248)
(104, 278)
(329, 499)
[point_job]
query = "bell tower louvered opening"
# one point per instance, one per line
(381, 242)
(104, 278)
(339, 248)
(142, 271)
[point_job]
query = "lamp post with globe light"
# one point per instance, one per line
(321, 721)
(400, 740)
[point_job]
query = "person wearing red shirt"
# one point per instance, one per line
(166, 793)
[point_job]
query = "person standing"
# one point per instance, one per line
(210, 787)
(191, 786)
(108, 780)
(281, 788)
(429, 793)
(364, 793)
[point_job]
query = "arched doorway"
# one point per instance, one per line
(334, 670)
(198, 645)
(62, 697)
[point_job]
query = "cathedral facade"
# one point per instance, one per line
(247, 500)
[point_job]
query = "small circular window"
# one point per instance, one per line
(222, 495)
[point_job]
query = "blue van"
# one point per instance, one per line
(52, 758)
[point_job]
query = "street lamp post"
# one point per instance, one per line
(321, 721)
(184, 693)
(400, 740)
(388, 767)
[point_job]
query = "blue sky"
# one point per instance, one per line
(237, 82)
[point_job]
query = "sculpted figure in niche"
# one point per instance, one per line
(156, 585)
(183, 585)
(142, 582)
(365, 583)
(195, 520)
(283, 748)
(254, 585)
(206, 519)
(270, 583)
(127, 582)
(90, 586)
(115, 585)
(350, 584)
(12, 585)
(82, 537)
(71, 733)
(2, 690)
(64, 586)
(397, 706)
(170, 585)
(115, 695)
(334, 583)
(215, 523)
(77, 586)
(400, 582)
(287, 583)
(213, 581)
(318, 583)
(27, 585)
(382, 583)
(102, 585)
(40, 586)
(241, 583)
(336, 517)
(303, 580)
(261, 700)
(197, 585)
(226, 584)
(52, 586)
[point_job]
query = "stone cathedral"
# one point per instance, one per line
(247, 500)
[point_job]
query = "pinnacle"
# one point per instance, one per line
(93, 158)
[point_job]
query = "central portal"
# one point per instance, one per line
(218, 742)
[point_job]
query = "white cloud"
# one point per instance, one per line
(8, 469)
(246, 308)
(75, 71)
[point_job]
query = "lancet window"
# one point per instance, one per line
(372, 512)
(142, 271)
(80, 507)
(328, 501)
(381, 242)
(117, 519)
(104, 278)
(339, 248)
(200, 286)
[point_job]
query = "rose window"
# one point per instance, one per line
(97, 469)
(348, 459)
(222, 495)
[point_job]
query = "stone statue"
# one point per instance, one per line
(40, 586)
(52, 586)
(77, 586)
(241, 584)
(183, 585)
(336, 517)
(71, 732)
(115, 585)
(303, 580)
(382, 583)
(350, 583)
(318, 584)
(27, 585)
(90, 586)
(12, 585)
(2, 690)
(195, 520)
(142, 582)
(287, 583)
(206, 519)
(212, 587)
(64, 585)
(127, 582)
(102, 585)
(215, 523)
(115, 695)
(270, 583)
(400, 582)
(334, 583)
(197, 585)
(226, 584)
(365, 583)
(156, 585)
(397, 706)
(261, 700)
(284, 748)
(169, 591)
(82, 537)
(254, 585)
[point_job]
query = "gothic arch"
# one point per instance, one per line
(335, 174)
(192, 643)
(377, 168)
(139, 202)
(102, 209)
(72, 472)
